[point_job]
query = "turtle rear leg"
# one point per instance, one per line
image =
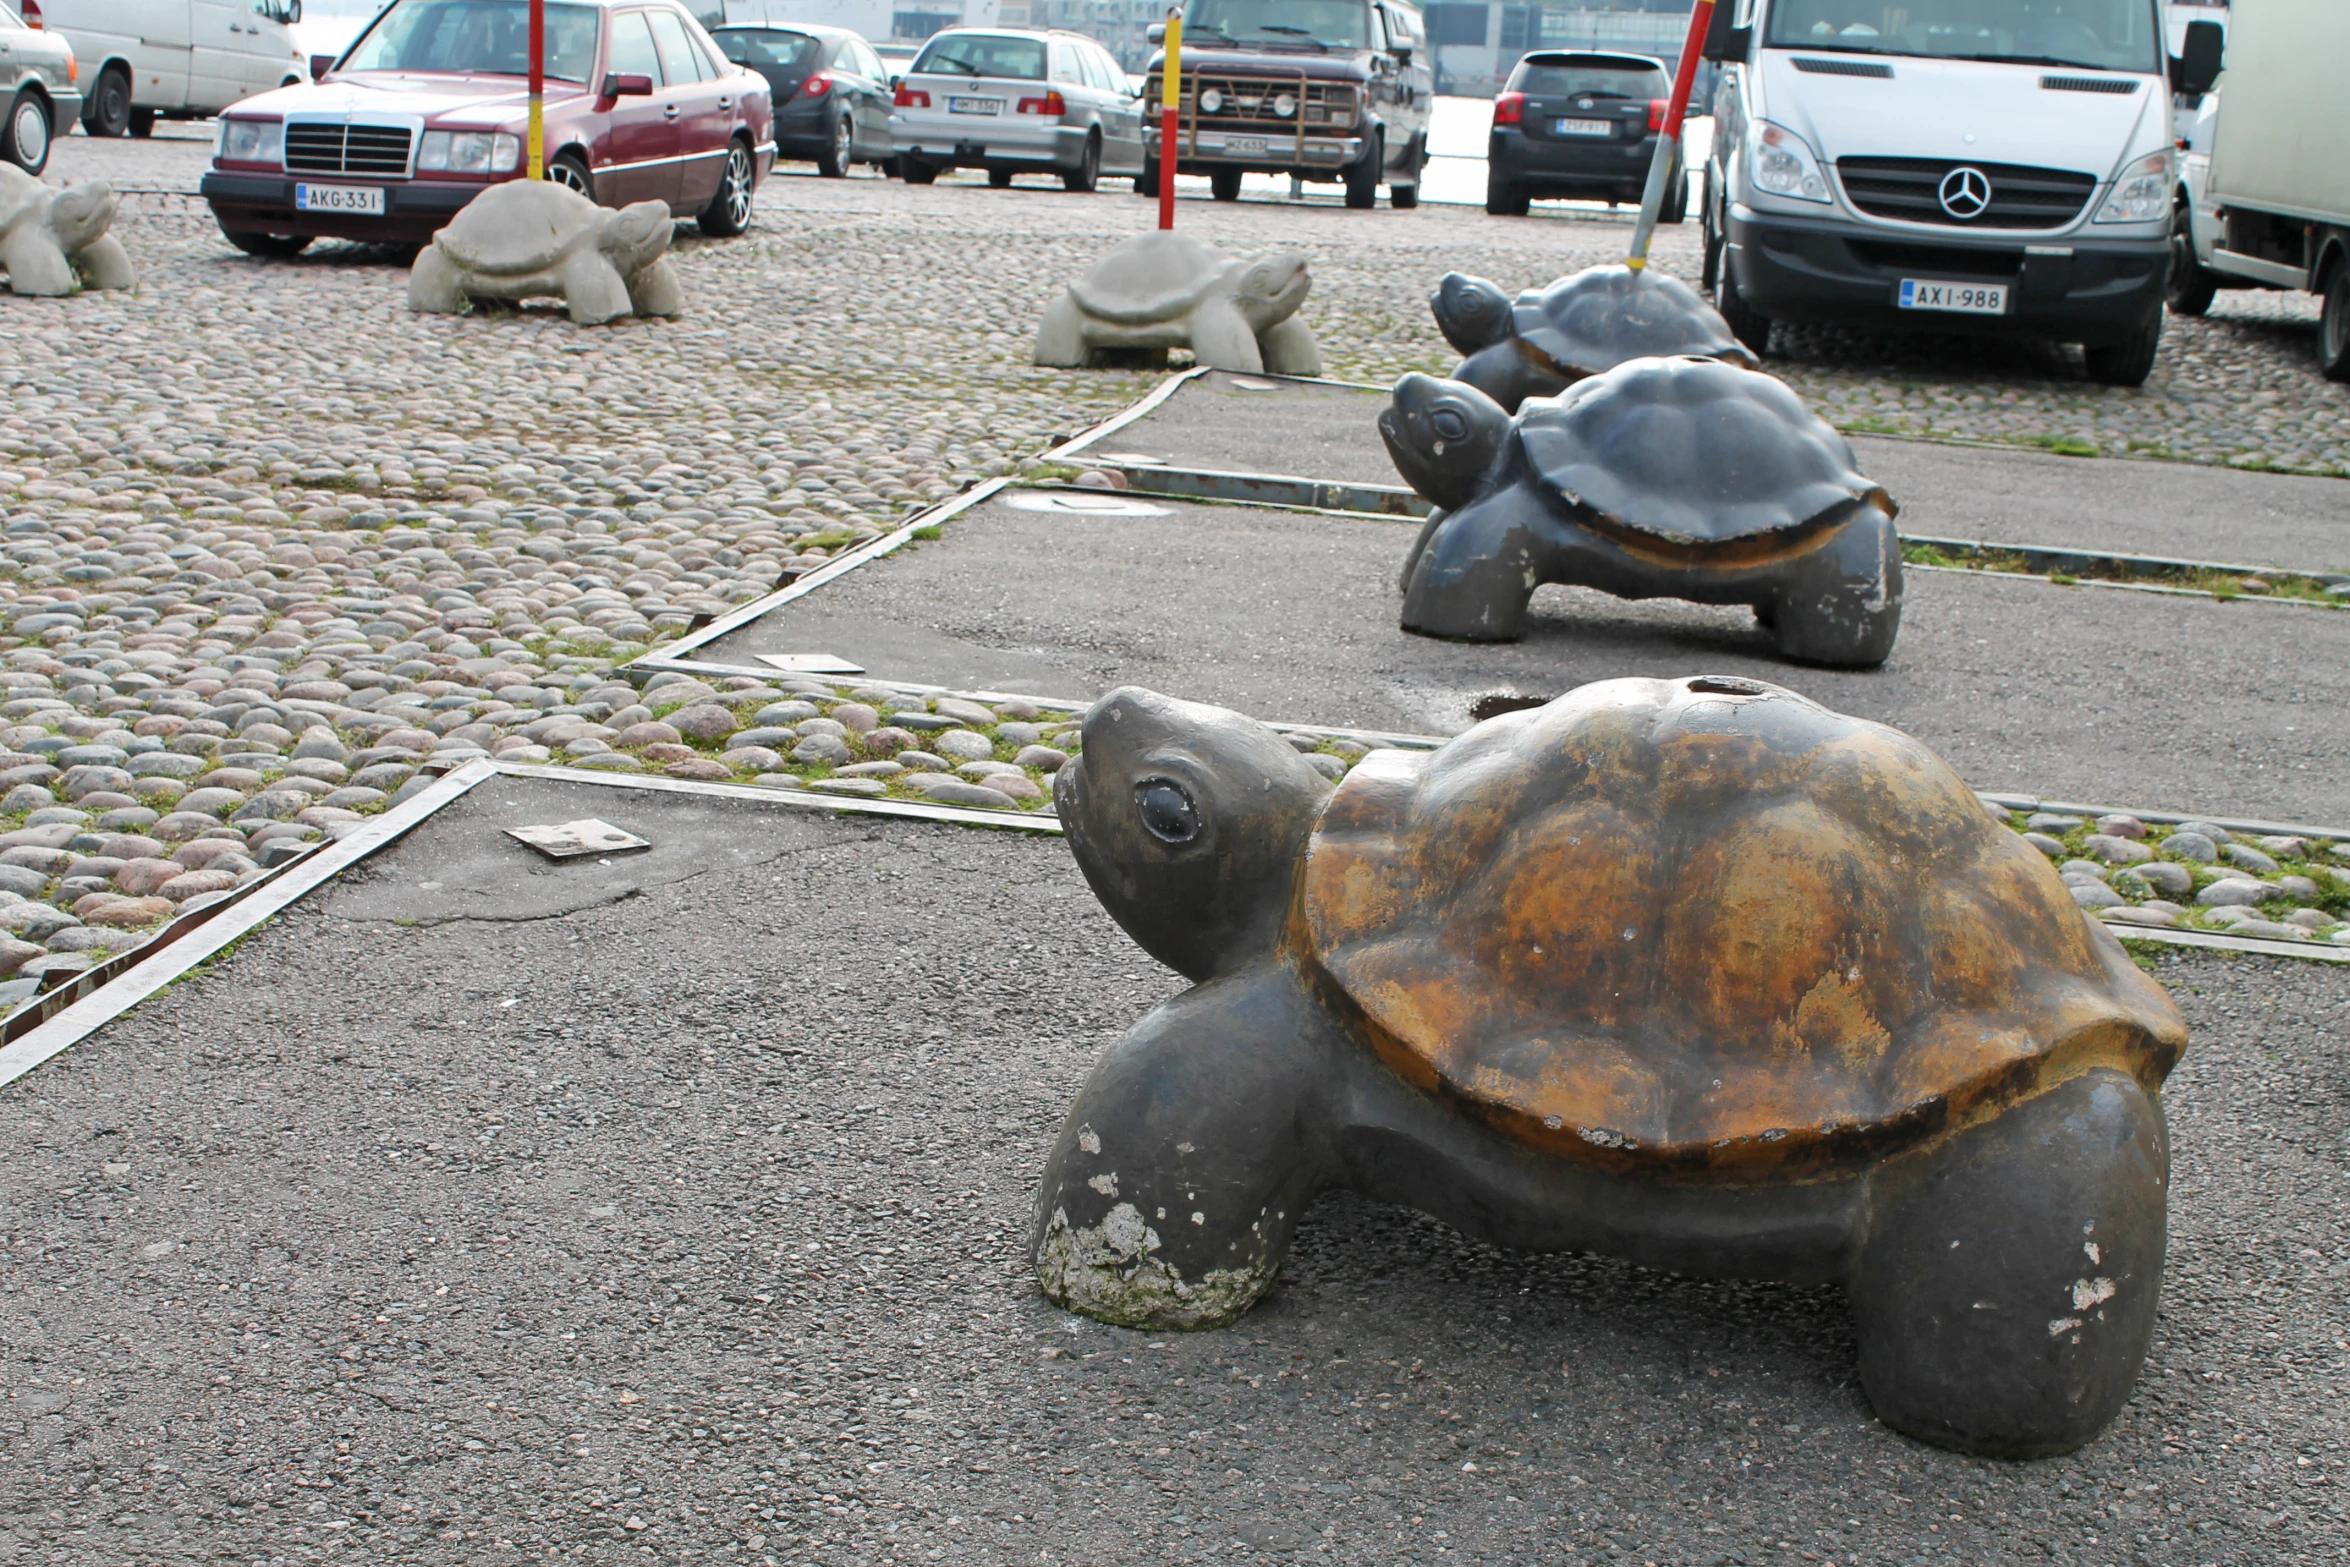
(1842, 602)
(1188, 1158)
(1473, 573)
(2005, 1287)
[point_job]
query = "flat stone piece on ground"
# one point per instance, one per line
(570, 840)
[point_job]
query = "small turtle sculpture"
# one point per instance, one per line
(535, 239)
(53, 240)
(1661, 478)
(1593, 321)
(1692, 972)
(1165, 290)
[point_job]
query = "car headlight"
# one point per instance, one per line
(1284, 105)
(2142, 193)
(1780, 164)
(1210, 101)
(252, 141)
(468, 152)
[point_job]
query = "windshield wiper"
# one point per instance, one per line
(962, 65)
(1299, 33)
(2030, 59)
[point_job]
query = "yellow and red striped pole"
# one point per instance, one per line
(538, 89)
(1668, 136)
(1170, 115)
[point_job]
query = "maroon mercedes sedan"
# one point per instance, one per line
(432, 103)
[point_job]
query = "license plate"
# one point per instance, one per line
(1966, 299)
(1245, 146)
(975, 106)
(1583, 127)
(339, 198)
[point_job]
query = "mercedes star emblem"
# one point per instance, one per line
(1966, 192)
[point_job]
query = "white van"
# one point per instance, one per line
(2000, 166)
(172, 59)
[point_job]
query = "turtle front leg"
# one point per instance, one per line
(593, 290)
(1222, 337)
(1841, 604)
(1473, 574)
(104, 264)
(1288, 348)
(1189, 1156)
(1502, 373)
(2005, 1286)
(435, 286)
(34, 263)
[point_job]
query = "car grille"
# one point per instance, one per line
(379, 150)
(1910, 189)
(1868, 68)
(1248, 101)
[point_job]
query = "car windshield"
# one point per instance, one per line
(2107, 35)
(760, 47)
(1554, 78)
(982, 54)
(476, 37)
(1341, 24)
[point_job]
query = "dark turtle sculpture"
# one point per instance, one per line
(1661, 478)
(1693, 972)
(1550, 338)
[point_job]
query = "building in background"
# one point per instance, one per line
(1475, 42)
(880, 21)
(1117, 25)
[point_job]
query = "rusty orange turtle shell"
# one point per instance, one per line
(1707, 925)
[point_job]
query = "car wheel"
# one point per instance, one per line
(1089, 167)
(915, 172)
(272, 247)
(729, 212)
(1676, 208)
(999, 179)
(24, 141)
(570, 169)
(2127, 363)
(2333, 327)
(1224, 184)
(142, 122)
(1504, 199)
(833, 161)
(110, 104)
(2191, 287)
(1403, 191)
(1362, 177)
(1746, 324)
(1710, 244)
(1147, 182)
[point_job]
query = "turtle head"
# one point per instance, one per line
(1470, 312)
(1268, 290)
(636, 234)
(1444, 436)
(81, 213)
(1189, 822)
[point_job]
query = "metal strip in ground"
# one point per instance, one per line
(855, 805)
(2259, 829)
(2260, 946)
(1148, 404)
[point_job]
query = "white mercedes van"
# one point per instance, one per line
(1997, 166)
(173, 59)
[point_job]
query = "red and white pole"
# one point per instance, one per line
(1668, 136)
(1170, 115)
(538, 89)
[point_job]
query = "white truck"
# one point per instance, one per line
(141, 60)
(2264, 192)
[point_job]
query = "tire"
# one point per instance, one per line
(1362, 177)
(142, 123)
(915, 172)
(569, 168)
(1224, 184)
(729, 212)
(999, 179)
(2127, 363)
(1147, 182)
(834, 160)
(1504, 199)
(1747, 324)
(2192, 286)
(109, 111)
(270, 247)
(1710, 242)
(1676, 208)
(24, 140)
(1088, 172)
(1404, 194)
(889, 168)
(2333, 326)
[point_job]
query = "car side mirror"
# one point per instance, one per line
(896, 82)
(1725, 38)
(320, 64)
(1155, 33)
(2195, 69)
(1403, 54)
(617, 85)
(293, 12)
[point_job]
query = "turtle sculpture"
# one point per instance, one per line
(1165, 290)
(1692, 972)
(53, 240)
(535, 239)
(1551, 338)
(1661, 478)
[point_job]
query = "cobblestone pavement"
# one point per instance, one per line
(680, 1205)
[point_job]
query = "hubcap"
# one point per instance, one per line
(32, 131)
(564, 174)
(843, 144)
(738, 187)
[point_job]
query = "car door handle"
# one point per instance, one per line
(726, 103)
(669, 111)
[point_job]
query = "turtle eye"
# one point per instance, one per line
(1167, 811)
(1449, 423)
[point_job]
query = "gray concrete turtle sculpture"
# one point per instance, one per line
(535, 239)
(1165, 290)
(1550, 338)
(1693, 972)
(1660, 478)
(54, 240)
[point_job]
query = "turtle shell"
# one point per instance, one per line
(1708, 926)
(1151, 277)
(1602, 316)
(521, 226)
(1693, 454)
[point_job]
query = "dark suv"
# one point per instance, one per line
(1335, 91)
(1578, 125)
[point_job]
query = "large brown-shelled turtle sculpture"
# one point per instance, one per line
(1662, 478)
(1549, 338)
(1693, 972)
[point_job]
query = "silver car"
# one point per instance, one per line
(41, 86)
(1011, 101)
